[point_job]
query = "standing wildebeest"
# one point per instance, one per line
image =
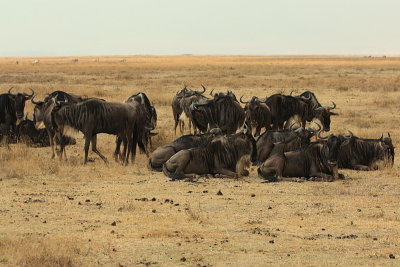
(317, 111)
(294, 138)
(258, 114)
(317, 159)
(11, 108)
(159, 156)
(224, 156)
(95, 116)
(365, 154)
(150, 122)
(42, 113)
(181, 104)
(224, 112)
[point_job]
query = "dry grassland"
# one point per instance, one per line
(65, 214)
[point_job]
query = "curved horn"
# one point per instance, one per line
(204, 89)
(34, 102)
(351, 134)
(291, 126)
(291, 93)
(9, 90)
(381, 138)
(31, 95)
(319, 127)
(332, 107)
(243, 102)
(306, 98)
(323, 137)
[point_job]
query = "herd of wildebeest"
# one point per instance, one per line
(227, 137)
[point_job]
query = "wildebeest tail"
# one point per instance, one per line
(173, 176)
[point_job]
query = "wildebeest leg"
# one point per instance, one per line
(129, 146)
(320, 176)
(225, 173)
(361, 167)
(87, 144)
(95, 150)
(134, 142)
(117, 152)
(51, 136)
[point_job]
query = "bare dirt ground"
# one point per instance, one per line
(56, 213)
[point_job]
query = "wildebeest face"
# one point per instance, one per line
(387, 141)
(334, 144)
(153, 117)
(324, 115)
(19, 99)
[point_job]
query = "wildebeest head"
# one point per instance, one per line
(324, 115)
(19, 99)
(388, 142)
(253, 109)
(247, 133)
(38, 111)
(334, 142)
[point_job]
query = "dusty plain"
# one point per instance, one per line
(56, 213)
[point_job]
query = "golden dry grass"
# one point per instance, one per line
(65, 214)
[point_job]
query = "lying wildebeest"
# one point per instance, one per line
(11, 108)
(317, 160)
(284, 107)
(365, 154)
(95, 116)
(150, 122)
(224, 112)
(31, 136)
(42, 113)
(258, 114)
(294, 138)
(181, 103)
(317, 111)
(224, 156)
(159, 156)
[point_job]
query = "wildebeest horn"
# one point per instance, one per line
(332, 107)
(351, 134)
(9, 90)
(291, 92)
(243, 102)
(381, 138)
(319, 109)
(34, 102)
(298, 130)
(204, 89)
(319, 127)
(323, 137)
(31, 95)
(306, 98)
(388, 134)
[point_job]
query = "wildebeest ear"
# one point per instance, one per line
(333, 113)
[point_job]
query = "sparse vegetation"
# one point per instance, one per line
(56, 213)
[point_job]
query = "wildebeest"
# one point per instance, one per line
(224, 156)
(95, 116)
(42, 113)
(284, 107)
(294, 138)
(159, 156)
(317, 111)
(28, 133)
(223, 111)
(11, 109)
(258, 114)
(181, 104)
(365, 154)
(149, 120)
(317, 160)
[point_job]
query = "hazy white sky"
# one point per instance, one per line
(126, 27)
